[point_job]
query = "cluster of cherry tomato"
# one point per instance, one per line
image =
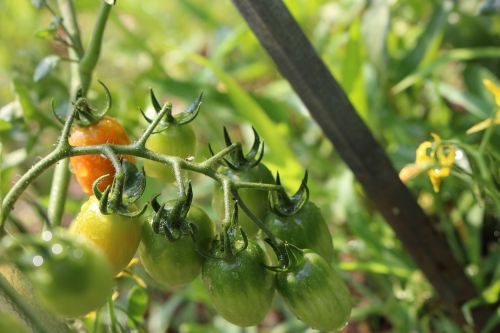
(180, 240)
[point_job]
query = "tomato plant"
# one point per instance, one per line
(116, 236)
(73, 273)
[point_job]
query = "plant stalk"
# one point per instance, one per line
(91, 56)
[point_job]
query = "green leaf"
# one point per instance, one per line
(29, 108)
(46, 34)
(427, 41)
(45, 67)
(134, 184)
(137, 302)
(474, 104)
(447, 57)
(375, 267)
(4, 125)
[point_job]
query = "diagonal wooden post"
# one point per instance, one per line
(298, 62)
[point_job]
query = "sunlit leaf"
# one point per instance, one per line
(465, 54)
(137, 302)
(45, 67)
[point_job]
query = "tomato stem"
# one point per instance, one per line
(112, 317)
(141, 143)
(216, 158)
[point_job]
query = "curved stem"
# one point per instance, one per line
(255, 219)
(220, 155)
(90, 57)
(149, 130)
(19, 187)
(61, 177)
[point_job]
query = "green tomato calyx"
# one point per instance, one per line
(236, 159)
(170, 120)
(284, 205)
(230, 242)
(127, 187)
(85, 114)
(290, 257)
(170, 218)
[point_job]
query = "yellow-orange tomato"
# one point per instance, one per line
(116, 236)
(88, 168)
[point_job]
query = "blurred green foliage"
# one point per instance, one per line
(410, 67)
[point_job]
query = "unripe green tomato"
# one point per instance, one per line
(305, 229)
(173, 264)
(116, 236)
(315, 293)
(175, 141)
(240, 288)
(74, 278)
(256, 200)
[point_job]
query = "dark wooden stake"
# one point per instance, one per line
(298, 62)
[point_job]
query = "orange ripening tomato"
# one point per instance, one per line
(88, 168)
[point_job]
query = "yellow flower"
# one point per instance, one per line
(428, 154)
(495, 90)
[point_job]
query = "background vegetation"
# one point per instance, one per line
(410, 67)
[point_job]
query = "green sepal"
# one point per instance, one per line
(85, 114)
(284, 205)
(169, 119)
(237, 160)
(171, 220)
(231, 241)
(127, 187)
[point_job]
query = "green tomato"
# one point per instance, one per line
(175, 141)
(72, 278)
(305, 229)
(116, 236)
(256, 200)
(173, 264)
(240, 288)
(315, 293)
